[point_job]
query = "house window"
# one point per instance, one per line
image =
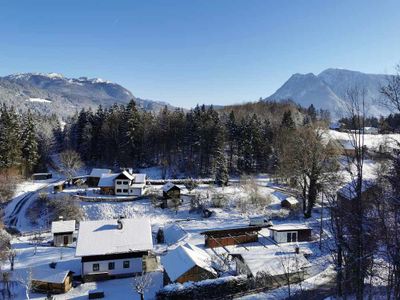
(125, 190)
(118, 182)
(118, 190)
(111, 265)
(126, 264)
(126, 182)
(96, 267)
(291, 237)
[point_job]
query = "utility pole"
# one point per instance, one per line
(321, 228)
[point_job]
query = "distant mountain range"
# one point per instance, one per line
(54, 93)
(327, 90)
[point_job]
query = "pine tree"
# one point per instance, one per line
(30, 148)
(221, 171)
(287, 120)
(10, 142)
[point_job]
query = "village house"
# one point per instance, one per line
(347, 193)
(231, 236)
(63, 232)
(122, 184)
(171, 190)
(187, 263)
(289, 233)
(93, 178)
(113, 248)
(53, 281)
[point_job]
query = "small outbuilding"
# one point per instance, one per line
(187, 263)
(231, 236)
(42, 176)
(53, 281)
(63, 232)
(278, 268)
(290, 203)
(94, 177)
(290, 233)
(171, 191)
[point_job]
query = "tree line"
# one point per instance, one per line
(200, 142)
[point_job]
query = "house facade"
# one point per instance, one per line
(113, 248)
(63, 232)
(171, 191)
(123, 184)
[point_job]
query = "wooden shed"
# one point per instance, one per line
(290, 203)
(289, 233)
(231, 236)
(171, 191)
(48, 280)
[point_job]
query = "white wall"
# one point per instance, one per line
(134, 267)
(281, 236)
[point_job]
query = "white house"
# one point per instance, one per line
(122, 184)
(63, 232)
(113, 248)
(130, 184)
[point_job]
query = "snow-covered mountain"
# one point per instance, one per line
(53, 93)
(327, 90)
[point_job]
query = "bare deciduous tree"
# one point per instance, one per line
(70, 163)
(141, 283)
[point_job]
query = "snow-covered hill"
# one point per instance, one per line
(327, 90)
(53, 93)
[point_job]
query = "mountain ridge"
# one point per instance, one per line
(50, 93)
(327, 90)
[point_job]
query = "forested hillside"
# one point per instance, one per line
(197, 143)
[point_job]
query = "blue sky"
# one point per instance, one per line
(198, 51)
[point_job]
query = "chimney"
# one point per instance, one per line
(60, 218)
(119, 224)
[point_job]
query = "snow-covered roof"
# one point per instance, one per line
(274, 265)
(173, 233)
(98, 172)
(183, 258)
(103, 237)
(140, 178)
(169, 185)
(63, 226)
(286, 227)
(47, 274)
(292, 200)
(348, 191)
(127, 175)
(107, 180)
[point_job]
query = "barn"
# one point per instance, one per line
(187, 263)
(231, 236)
(289, 233)
(94, 177)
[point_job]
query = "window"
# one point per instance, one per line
(126, 264)
(119, 182)
(291, 237)
(126, 182)
(125, 190)
(96, 267)
(118, 190)
(111, 265)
